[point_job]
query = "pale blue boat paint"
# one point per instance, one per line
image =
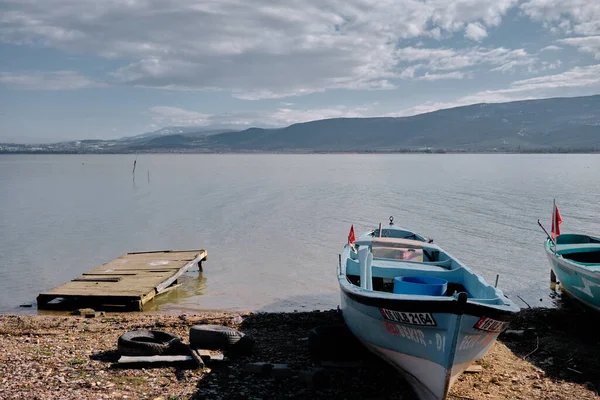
(576, 265)
(430, 339)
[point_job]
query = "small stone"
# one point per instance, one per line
(258, 368)
(512, 332)
(474, 369)
(84, 311)
(317, 377)
(281, 371)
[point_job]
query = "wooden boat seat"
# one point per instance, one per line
(397, 242)
(391, 269)
(577, 248)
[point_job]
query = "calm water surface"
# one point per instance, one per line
(273, 225)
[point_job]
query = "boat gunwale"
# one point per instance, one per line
(568, 263)
(446, 304)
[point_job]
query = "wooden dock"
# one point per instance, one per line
(126, 283)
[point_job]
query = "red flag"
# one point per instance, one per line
(556, 220)
(351, 237)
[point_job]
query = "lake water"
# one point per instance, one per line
(273, 225)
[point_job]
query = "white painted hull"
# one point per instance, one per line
(428, 379)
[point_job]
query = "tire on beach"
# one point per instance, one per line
(242, 347)
(334, 343)
(146, 343)
(213, 337)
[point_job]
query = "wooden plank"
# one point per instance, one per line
(107, 273)
(137, 359)
(168, 289)
(106, 279)
(182, 271)
(167, 251)
(149, 252)
(474, 369)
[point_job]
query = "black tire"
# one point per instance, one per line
(243, 346)
(213, 337)
(146, 343)
(334, 343)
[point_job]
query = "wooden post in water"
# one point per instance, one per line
(134, 164)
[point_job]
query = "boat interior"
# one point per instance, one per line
(582, 249)
(393, 257)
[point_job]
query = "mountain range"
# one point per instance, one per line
(555, 124)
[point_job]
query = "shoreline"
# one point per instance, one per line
(548, 353)
(307, 152)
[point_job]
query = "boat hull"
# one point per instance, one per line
(578, 282)
(430, 349)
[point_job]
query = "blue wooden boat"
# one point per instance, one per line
(419, 308)
(575, 263)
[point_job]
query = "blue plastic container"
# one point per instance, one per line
(422, 285)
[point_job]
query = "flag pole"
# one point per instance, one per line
(554, 224)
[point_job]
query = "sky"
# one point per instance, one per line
(90, 69)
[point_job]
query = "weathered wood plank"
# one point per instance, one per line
(107, 273)
(96, 279)
(183, 270)
(150, 359)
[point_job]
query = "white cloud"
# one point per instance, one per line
(550, 65)
(426, 107)
(452, 15)
(551, 48)
(166, 115)
(172, 116)
(586, 79)
(449, 59)
(575, 77)
(437, 77)
(589, 44)
(253, 49)
(572, 16)
(56, 80)
(475, 31)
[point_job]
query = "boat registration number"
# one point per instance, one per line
(412, 318)
(490, 325)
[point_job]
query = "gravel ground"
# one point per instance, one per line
(550, 356)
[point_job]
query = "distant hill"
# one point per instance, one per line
(533, 124)
(556, 124)
(177, 130)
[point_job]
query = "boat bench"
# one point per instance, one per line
(577, 248)
(396, 268)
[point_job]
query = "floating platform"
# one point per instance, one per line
(126, 283)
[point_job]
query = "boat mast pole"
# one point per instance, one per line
(554, 224)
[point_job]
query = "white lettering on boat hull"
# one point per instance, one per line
(413, 334)
(470, 341)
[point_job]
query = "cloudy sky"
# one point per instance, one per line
(72, 69)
